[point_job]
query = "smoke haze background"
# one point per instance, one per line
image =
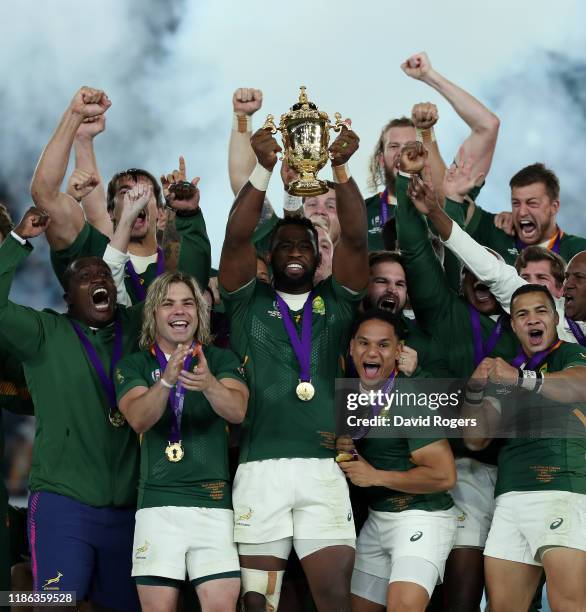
(170, 70)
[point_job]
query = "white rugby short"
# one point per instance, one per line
(306, 499)
(393, 545)
(172, 540)
(527, 523)
(474, 499)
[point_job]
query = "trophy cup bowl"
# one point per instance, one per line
(305, 133)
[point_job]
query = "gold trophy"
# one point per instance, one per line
(306, 136)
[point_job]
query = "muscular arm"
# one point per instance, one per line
(434, 471)
(94, 204)
(143, 406)
(566, 386)
(66, 215)
(229, 398)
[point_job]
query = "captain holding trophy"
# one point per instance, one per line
(289, 491)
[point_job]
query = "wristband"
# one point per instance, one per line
(530, 380)
(407, 175)
(17, 237)
(472, 397)
(242, 123)
(292, 203)
(260, 177)
(184, 214)
(341, 174)
(425, 136)
(165, 383)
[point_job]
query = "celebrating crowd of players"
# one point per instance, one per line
(160, 367)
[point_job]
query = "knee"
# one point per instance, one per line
(405, 601)
(337, 592)
(563, 603)
(254, 602)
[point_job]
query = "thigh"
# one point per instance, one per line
(464, 579)
(62, 556)
(510, 585)
(322, 508)
(263, 500)
(112, 585)
(158, 598)
(406, 596)
(565, 572)
(212, 554)
(221, 594)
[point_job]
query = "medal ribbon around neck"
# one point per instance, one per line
(301, 348)
(481, 349)
(139, 289)
(553, 244)
(177, 393)
(384, 207)
(93, 357)
(575, 329)
(532, 362)
(377, 409)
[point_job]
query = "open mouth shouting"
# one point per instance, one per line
(536, 336)
(388, 302)
(372, 370)
(482, 292)
(100, 299)
(528, 230)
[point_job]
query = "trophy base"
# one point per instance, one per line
(307, 188)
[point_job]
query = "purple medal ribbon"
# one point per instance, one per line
(139, 289)
(376, 410)
(553, 245)
(301, 348)
(96, 362)
(533, 362)
(384, 210)
(176, 394)
(575, 329)
(482, 350)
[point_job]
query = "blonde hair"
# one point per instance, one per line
(156, 295)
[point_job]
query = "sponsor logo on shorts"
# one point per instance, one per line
(243, 519)
(416, 536)
(47, 586)
(555, 524)
(141, 551)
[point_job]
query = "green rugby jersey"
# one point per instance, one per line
(546, 464)
(373, 219)
(481, 227)
(201, 478)
(194, 253)
(439, 310)
(278, 424)
(394, 454)
(77, 452)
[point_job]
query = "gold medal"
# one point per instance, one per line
(174, 451)
(343, 456)
(117, 418)
(305, 391)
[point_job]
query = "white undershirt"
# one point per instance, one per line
(142, 262)
(295, 301)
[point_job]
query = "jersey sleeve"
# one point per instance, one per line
(429, 290)
(224, 363)
(89, 243)
(22, 330)
(195, 253)
(129, 374)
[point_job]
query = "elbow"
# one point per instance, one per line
(41, 193)
(450, 478)
(489, 125)
(240, 412)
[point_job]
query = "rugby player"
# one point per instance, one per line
(70, 236)
(85, 458)
(403, 546)
(540, 492)
(288, 489)
(178, 394)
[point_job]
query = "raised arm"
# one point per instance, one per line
(241, 159)
(483, 124)
(21, 328)
(94, 203)
(238, 260)
(67, 217)
(350, 260)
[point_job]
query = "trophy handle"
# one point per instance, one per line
(339, 124)
(270, 124)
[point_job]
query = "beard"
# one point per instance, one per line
(390, 180)
(286, 283)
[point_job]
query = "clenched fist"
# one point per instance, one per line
(81, 183)
(417, 66)
(424, 115)
(34, 222)
(412, 157)
(345, 145)
(265, 148)
(91, 127)
(89, 102)
(247, 101)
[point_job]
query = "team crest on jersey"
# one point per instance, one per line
(513, 251)
(156, 375)
(275, 312)
(375, 223)
(119, 376)
(318, 305)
